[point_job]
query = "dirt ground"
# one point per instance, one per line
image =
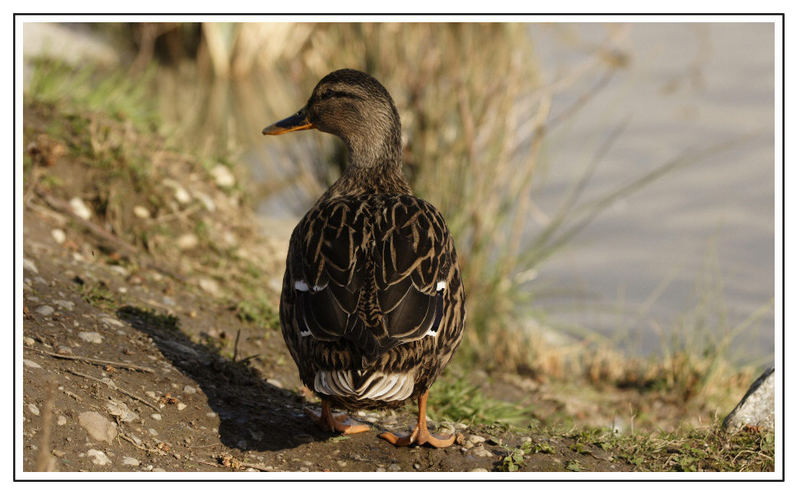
(133, 372)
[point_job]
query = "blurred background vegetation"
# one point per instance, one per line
(477, 114)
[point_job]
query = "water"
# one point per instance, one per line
(702, 231)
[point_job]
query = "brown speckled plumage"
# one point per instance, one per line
(372, 282)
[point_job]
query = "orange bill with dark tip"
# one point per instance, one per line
(296, 122)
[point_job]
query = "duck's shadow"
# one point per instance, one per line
(253, 414)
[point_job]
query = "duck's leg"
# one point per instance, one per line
(420, 435)
(330, 422)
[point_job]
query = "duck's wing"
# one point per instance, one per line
(372, 271)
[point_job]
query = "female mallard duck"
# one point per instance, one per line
(372, 306)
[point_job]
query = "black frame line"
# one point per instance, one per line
(782, 16)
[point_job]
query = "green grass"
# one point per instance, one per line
(454, 398)
(122, 96)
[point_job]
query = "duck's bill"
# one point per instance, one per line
(296, 122)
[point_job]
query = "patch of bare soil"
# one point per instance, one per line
(130, 372)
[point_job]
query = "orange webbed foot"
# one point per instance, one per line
(335, 422)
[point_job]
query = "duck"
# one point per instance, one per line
(372, 304)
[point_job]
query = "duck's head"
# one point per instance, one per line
(357, 108)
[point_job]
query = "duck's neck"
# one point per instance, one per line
(374, 163)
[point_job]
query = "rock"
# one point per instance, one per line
(152, 432)
(31, 364)
(129, 461)
(478, 470)
(156, 416)
(141, 211)
(188, 389)
(45, 310)
(277, 384)
(113, 322)
(58, 235)
(62, 349)
(757, 407)
(91, 337)
(181, 406)
(187, 241)
(98, 426)
(206, 200)
(28, 341)
(209, 286)
(100, 458)
(80, 208)
(476, 439)
(65, 305)
(480, 451)
(62, 420)
(181, 195)
(223, 176)
(33, 409)
(120, 270)
(28, 265)
(121, 410)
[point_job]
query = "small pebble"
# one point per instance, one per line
(394, 467)
(91, 337)
(188, 389)
(156, 416)
(130, 461)
(206, 200)
(111, 321)
(58, 453)
(277, 384)
(33, 409)
(62, 420)
(80, 208)
(62, 349)
(187, 241)
(30, 364)
(181, 406)
(476, 439)
(150, 394)
(100, 458)
(152, 432)
(66, 305)
(417, 466)
(478, 470)
(29, 265)
(45, 310)
(58, 235)
(223, 176)
(209, 286)
(98, 426)
(28, 340)
(120, 270)
(481, 451)
(141, 211)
